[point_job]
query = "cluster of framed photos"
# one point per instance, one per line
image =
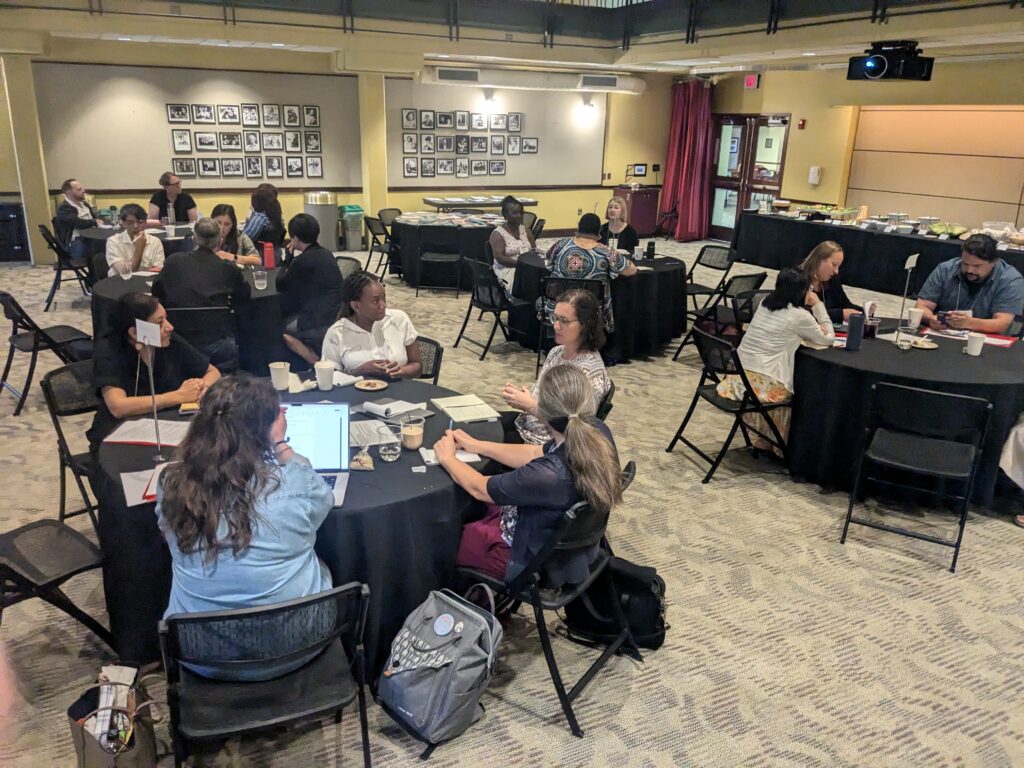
(307, 144)
(461, 145)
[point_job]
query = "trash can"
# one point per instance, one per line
(353, 219)
(323, 206)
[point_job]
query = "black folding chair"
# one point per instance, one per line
(538, 227)
(553, 287)
(253, 642)
(579, 530)
(387, 217)
(431, 353)
(67, 343)
(488, 295)
(380, 244)
(529, 219)
(35, 561)
(439, 247)
(347, 266)
(69, 391)
(605, 406)
(714, 257)
(718, 315)
(928, 434)
(745, 305)
(79, 268)
(720, 359)
(100, 268)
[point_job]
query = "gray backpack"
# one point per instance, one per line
(440, 664)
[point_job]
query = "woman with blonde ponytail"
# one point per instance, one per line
(579, 462)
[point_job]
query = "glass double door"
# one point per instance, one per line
(749, 158)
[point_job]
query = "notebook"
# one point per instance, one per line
(465, 408)
(319, 431)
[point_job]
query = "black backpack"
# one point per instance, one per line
(642, 596)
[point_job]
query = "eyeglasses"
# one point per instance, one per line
(559, 320)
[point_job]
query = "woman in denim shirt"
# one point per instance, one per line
(240, 509)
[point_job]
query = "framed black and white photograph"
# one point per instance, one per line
(410, 143)
(445, 166)
(272, 115)
(273, 141)
(478, 145)
(178, 113)
(209, 167)
(461, 121)
(254, 167)
(293, 141)
(293, 167)
(426, 143)
(206, 141)
(426, 119)
(478, 121)
(185, 167)
(314, 167)
(496, 167)
(182, 139)
(203, 113)
(251, 115)
(462, 145)
(231, 166)
(275, 166)
(478, 168)
(515, 122)
(499, 122)
(312, 142)
(410, 167)
(445, 120)
(311, 117)
(497, 145)
(462, 167)
(251, 141)
(292, 116)
(512, 145)
(230, 141)
(444, 143)
(427, 167)
(227, 114)
(409, 122)
(530, 146)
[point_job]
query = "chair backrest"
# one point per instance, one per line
(745, 304)
(529, 219)
(553, 287)
(605, 406)
(628, 475)
(69, 390)
(488, 292)
(18, 317)
(538, 227)
(715, 257)
(249, 640)
(743, 284)
(439, 238)
(717, 355)
(348, 266)
(928, 413)
(100, 268)
(376, 229)
(431, 353)
(387, 216)
(53, 244)
(487, 253)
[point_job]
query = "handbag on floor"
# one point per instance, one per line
(440, 664)
(130, 741)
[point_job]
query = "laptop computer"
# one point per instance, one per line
(320, 432)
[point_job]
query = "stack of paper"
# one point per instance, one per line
(431, 460)
(388, 409)
(142, 432)
(465, 408)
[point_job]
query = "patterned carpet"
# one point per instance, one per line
(785, 648)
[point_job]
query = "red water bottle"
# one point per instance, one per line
(268, 256)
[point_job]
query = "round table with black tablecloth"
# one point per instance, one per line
(259, 319)
(833, 394)
(649, 307)
(467, 241)
(96, 238)
(398, 531)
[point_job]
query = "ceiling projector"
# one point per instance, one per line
(891, 60)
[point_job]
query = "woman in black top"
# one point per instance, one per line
(170, 194)
(180, 373)
(821, 267)
(618, 227)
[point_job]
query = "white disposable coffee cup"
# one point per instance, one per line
(279, 375)
(914, 316)
(975, 343)
(324, 375)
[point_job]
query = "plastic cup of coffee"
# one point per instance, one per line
(914, 316)
(324, 375)
(412, 433)
(975, 343)
(279, 375)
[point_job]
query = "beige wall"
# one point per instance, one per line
(637, 130)
(8, 169)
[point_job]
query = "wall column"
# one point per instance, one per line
(20, 90)
(373, 150)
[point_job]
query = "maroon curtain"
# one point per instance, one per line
(685, 196)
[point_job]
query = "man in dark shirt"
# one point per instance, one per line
(74, 214)
(199, 289)
(170, 194)
(310, 286)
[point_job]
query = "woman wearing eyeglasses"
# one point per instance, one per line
(579, 336)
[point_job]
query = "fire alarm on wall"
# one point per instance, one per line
(801, 125)
(752, 82)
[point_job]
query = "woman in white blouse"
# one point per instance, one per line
(369, 339)
(768, 349)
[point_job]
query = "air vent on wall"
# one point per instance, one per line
(457, 75)
(599, 81)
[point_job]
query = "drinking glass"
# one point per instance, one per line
(390, 447)
(259, 279)
(903, 343)
(412, 433)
